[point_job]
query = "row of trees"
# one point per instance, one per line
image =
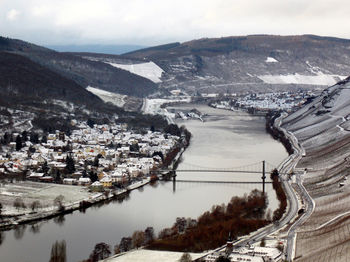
(18, 203)
(138, 239)
(240, 216)
(281, 196)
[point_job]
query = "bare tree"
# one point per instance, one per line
(116, 249)
(185, 258)
(35, 205)
(125, 244)
(101, 251)
(58, 201)
(149, 235)
(18, 203)
(138, 238)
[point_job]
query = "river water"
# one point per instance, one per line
(225, 139)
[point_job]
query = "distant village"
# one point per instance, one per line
(263, 102)
(99, 156)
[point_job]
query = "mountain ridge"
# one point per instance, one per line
(255, 63)
(84, 72)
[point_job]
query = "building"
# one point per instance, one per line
(250, 254)
(106, 181)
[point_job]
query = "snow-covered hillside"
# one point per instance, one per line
(271, 60)
(116, 99)
(324, 120)
(147, 70)
(319, 79)
(259, 63)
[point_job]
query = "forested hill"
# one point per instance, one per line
(82, 71)
(35, 97)
(23, 80)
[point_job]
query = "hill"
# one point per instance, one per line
(102, 49)
(35, 97)
(322, 127)
(257, 63)
(324, 120)
(84, 72)
(23, 80)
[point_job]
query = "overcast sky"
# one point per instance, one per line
(151, 22)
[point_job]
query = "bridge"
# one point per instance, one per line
(255, 168)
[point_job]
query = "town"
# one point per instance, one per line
(100, 158)
(263, 102)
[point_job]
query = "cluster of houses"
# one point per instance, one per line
(286, 101)
(113, 153)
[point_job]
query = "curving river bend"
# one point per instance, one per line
(225, 139)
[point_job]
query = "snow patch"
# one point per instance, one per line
(147, 70)
(66, 105)
(153, 107)
(320, 79)
(142, 255)
(271, 60)
(116, 99)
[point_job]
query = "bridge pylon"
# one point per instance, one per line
(263, 176)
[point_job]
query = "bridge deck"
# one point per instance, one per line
(212, 171)
(221, 182)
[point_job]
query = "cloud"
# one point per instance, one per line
(151, 22)
(12, 14)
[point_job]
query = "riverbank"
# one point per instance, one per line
(254, 236)
(25, 202)
(225, 139)
(50, 212)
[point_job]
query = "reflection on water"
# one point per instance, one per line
(59, 220)
(224, 140)
(2, 237)
(35, 228)
(19, 231)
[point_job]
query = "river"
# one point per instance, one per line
(225, 139)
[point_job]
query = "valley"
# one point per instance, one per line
(123, 112)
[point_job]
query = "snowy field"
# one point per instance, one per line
(320, 79)
(271, 60)
(43, 192)
(147, 70)
(143, 255)
(115, 99)
(153, 106)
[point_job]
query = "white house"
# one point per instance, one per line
(84, 181)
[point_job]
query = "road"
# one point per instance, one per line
(291, 195)
(286, 168)
(309, 207)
